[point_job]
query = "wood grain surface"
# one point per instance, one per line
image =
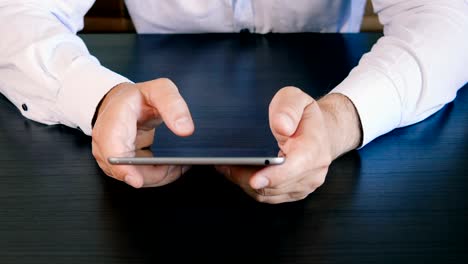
(401, 199)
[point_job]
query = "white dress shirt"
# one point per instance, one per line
(413, 71)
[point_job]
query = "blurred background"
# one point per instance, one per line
(112, 16)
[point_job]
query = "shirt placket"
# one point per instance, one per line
(243, 15)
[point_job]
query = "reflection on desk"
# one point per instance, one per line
(400, 199)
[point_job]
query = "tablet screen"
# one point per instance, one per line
(219, 134)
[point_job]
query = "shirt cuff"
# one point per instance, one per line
(376, 100)
(83, 87)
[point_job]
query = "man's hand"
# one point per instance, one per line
(311, 135)
(126, 121)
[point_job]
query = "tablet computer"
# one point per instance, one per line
(227, 150)
(142, 160)
(231, 128)
(238, 140)
(250, 144)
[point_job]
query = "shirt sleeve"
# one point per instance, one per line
(46, 70)
(414, 69)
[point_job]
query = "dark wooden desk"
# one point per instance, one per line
(403, 198)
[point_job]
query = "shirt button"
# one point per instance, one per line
(25, 107)
(244, 31)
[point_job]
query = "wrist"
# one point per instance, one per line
(107, 98)
(342, 122)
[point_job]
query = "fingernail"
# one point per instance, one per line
(183, 124)
(287, 123)
(132, 181)
(260, 182)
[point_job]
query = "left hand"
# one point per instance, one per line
(307, 135)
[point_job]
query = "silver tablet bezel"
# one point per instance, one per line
(196, 160)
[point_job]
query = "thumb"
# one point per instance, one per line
(286, 110)
(164, 97)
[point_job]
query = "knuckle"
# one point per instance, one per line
(166, 82)
(95, 133)
(116, 174)
(320, 182)
(290, 90)
(313, 162)
(108, 173)
(327, 160)
(296, 196)
(136, 187)
(309, 158)
(305, 188)
(260, 198)
(278, 201)
(95, 152)
(292, 111)
(174, 101)
(104, 168)
(268, 192)
(317, 182)
(278, 179)
(283, 93)
(324, 159)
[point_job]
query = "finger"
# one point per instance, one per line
(280, 176)
(285, 112)
(115, 133)
(285, 198)
(143, 175)
(114, 144)
(164, 96)
(144, 138)
(242, 175)
(307, 152)
(152, 175)
(277, 191)
(150, 123)
(171, 176)
(295, 175)
(276, 199)
(239, 175)
(308, 184)
(146, 175)
(161, 175)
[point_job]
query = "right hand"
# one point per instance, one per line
(126, 121)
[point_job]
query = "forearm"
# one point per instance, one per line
(415, 69)
(342, 122)
(46, 67)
